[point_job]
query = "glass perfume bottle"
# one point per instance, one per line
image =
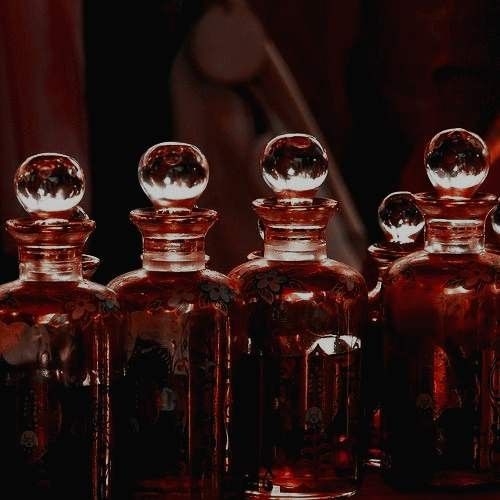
(296, 390)
(58, 338)
(178, 337)
(401, 223)
(441, 308)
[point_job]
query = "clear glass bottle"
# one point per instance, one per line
(297, 387)
(441, 308)
(177, 349)
(58, 339)
(401, 223)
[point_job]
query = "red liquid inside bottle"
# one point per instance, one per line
(441, 307)
(401, 223)
(58, 340)
(177, 349)
(296, 389)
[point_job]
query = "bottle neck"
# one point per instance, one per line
(294, 244)
(45, 263)
(454, 236)
(173, 254)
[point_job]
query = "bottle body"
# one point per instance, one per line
(372, 379)
(176, 391)
(441, 402)
(296, 390)
(57, 366)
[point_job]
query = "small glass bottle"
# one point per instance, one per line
(401, 223)
(441, 308)
(177, 349)
(58, 339)
(297, 388)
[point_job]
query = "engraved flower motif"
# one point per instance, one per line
(10, 334)
(217, 292)
(21, 343)
(180, 297)
(107, 303)
(29, 440)
(80, 308)
(471, 278)
(347, 286)
(424, 401)
(271, 280)
(314, 415)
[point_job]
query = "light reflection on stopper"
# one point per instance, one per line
(457, 162)
(173, 175)
(399, 218)
(294, 166)
(49, 184)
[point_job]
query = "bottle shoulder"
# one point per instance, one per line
(144, 280)
(266, 279)
(327, 268)
(451, 270)
(41, 291)
(143, 289)
(76, 302)
(423, 260)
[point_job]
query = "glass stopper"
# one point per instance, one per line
(457, 162)
(173, 175)
(49, 184)
(294, 166)
(495, 219)
(399, 218)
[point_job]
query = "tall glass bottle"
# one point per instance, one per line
(297, 388)
(402, 223)
(58, 337)
(178, 337)
(441, 307)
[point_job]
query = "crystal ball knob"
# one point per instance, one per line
(457, 162)
(173, 175)
(495, 219)
(49, 184)
(294, 165)
(400, 219)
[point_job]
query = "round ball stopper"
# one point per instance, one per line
(399, 218)
(457, 162)
(173, 175)
(49, 184)
(294, 165)
(495, 219)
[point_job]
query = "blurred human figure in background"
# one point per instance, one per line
(379, 77)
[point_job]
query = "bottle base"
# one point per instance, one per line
(278, 492)
(464, 479)
(302, 496)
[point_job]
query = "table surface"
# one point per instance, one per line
(374, 488)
